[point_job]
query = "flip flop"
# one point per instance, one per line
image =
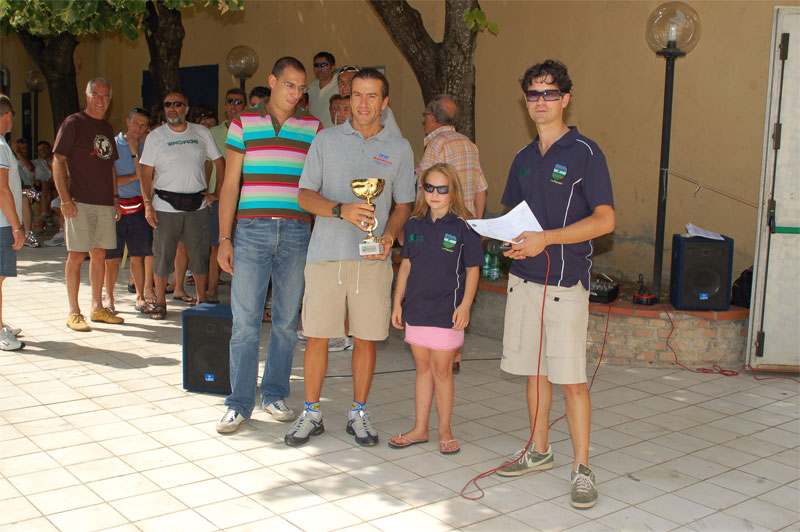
(443, 447)
(186, 299)
(132, 288)
(407, 442)
(150, 301)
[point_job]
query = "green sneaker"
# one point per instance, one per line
(532, 461)
(584, 494)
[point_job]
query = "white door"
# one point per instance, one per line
(774, 332)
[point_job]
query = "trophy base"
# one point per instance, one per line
(370, 247)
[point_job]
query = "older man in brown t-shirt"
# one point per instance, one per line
(83, 170)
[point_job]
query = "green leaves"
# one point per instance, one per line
(81, 17)
(476, 21)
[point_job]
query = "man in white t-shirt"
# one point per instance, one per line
(174, 187)
(12, 235)
(325, 86)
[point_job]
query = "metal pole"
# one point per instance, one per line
(670, 53)
(35, 124)
(241, 85)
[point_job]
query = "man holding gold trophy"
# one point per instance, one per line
(347, 274)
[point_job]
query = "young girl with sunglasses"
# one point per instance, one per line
(435, 287)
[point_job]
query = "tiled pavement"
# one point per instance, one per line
(97, 433)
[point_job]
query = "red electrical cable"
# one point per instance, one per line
(716, 368)
(536, 412)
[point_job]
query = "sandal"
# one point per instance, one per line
(144, 308)
(159, 312)
(189, 281)
(186, 299)
(401, 441)
(132, 288)
(267, 317)
(150, 300)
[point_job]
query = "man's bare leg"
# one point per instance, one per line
(97, 270)
(72, 274)
(315, 366)
(579, 417)
(363, 365)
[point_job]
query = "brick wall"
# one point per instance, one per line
(698, 341)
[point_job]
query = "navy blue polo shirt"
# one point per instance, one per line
(561, 188)
(440, 252)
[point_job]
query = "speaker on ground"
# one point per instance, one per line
(206, 348)
(701, 273)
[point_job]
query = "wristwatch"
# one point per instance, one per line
(336, 211)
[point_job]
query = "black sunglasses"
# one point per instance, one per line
(167, 105)
(234, 101)
(441, 189)
(321, 64)
(549, 95)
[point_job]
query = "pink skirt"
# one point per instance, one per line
(436, 338)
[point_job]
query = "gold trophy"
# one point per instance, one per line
(368, 189)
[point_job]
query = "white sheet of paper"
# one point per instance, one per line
(697, 231)
(508, 227)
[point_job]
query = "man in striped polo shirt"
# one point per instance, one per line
(267, 145)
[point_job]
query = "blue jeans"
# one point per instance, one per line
(264, 247)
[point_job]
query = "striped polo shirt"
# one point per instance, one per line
(272, 162)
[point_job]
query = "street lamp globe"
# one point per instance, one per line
(35, 81)
(242, 62)
(673, 25)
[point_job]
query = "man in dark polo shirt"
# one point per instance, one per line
(83, 170)
(563, 177)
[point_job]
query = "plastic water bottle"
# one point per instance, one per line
(494, 267)
(485, 267)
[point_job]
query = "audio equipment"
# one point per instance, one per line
(206, 348)
(701, 273)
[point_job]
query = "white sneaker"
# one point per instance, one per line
(57, 240)
(301, 337)
(280, 410)
(340, 344)
(9, 343)
(10, 330)
(229, 422)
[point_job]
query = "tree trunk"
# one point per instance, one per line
(445, 67)
(54, 59)
(164, 37)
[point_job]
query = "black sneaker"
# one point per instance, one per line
(307, 425)
(359, 425)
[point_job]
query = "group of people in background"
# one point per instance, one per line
(265, 195)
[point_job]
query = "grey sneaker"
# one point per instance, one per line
(9, 342)
(229, 422)
(359, 425)
(300, 336)
(532, 461)
(584, 494)
(340, 344)
(10, 330)
(280, 410)
(308, 424)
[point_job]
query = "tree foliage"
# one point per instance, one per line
(49, 29)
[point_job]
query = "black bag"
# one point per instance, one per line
(180, 200)
(740, 292)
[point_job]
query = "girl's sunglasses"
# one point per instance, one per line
(442, 189)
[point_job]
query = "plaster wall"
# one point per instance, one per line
(718, 120)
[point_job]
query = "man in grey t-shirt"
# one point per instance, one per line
(340, 282)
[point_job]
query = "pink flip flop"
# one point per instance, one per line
(443, 447)
(406, 442)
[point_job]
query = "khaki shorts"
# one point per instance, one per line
(566, 320)
(361, 287)
(93, 227)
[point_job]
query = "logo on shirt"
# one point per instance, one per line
(448, 242)
(524, 171)
(182, 142)
(415, 238)
(102, 147)
(382, 159)
(559, 173)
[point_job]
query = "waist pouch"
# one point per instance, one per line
(181, 201)
(131, 205)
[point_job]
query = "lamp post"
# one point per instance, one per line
(242, 62)
(672, 31)
(35, 82)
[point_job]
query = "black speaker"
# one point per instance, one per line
(206, 348)
(701, 273)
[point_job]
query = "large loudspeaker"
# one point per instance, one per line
(206, 348)
(701, 273)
